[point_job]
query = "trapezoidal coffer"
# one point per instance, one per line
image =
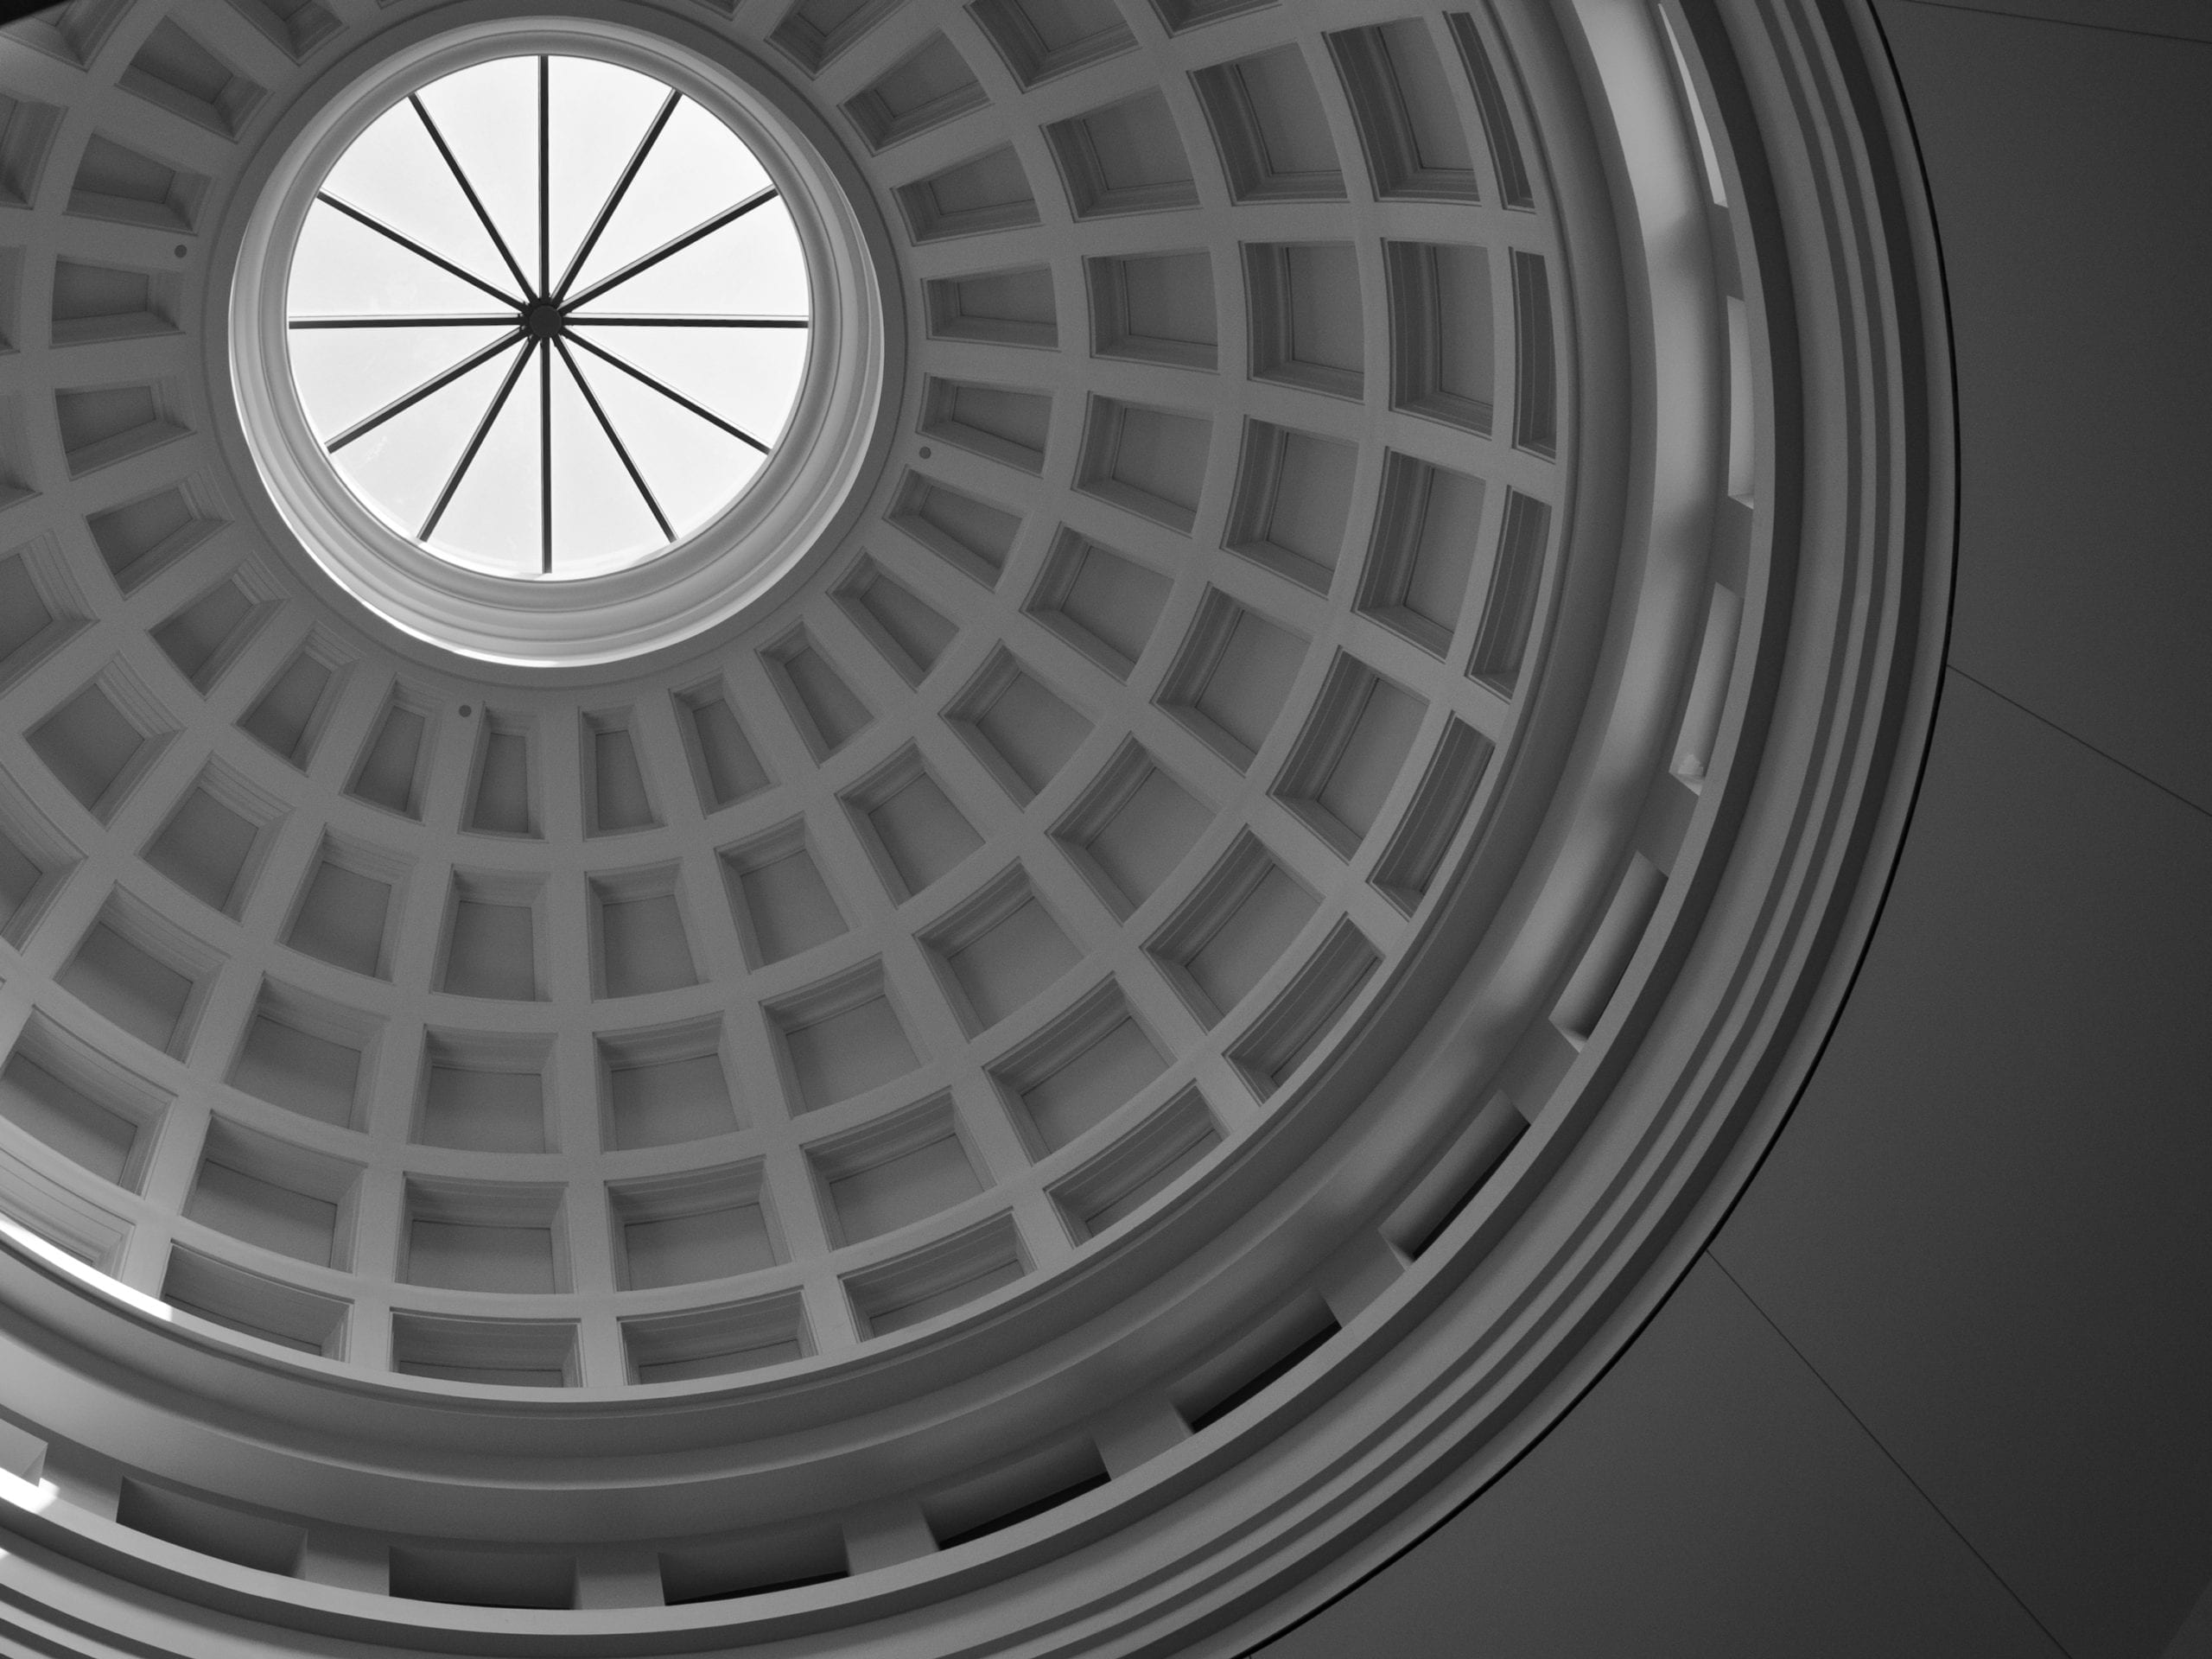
(1042, 1009)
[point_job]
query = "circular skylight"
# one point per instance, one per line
(548, 316)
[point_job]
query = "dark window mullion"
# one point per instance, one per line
(416, 248)
(406, 401)
(614, 196)
(544, 178)
(673, 245)
(545, 455)
(399, 323)
(469, 190)
(650, 321)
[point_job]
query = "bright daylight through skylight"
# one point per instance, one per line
(548, 316)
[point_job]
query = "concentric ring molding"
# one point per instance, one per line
(1569, 1001)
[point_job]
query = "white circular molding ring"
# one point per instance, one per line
(713, 574)
(1122, 1040)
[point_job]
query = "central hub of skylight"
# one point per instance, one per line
(548, 316)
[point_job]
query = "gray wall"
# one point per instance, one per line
(1942, 1385)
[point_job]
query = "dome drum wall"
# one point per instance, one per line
(1447, 1073)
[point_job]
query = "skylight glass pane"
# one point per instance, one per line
(698, 168)
(400, 467)
(345, 374)
(492, 523)
(394, 173)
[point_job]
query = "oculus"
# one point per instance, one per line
(547, 316)
(555, 341)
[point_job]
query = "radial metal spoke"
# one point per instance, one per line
(614, 197)
(621, 450)
(675, 246)
(651, 321)
(475, 443)
(400, 322)
(545, 456)
(415, 247)
(545, 177)
(673, 395)
(402, 405)
(469, 190)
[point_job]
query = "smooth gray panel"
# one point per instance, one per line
(1985, 1225)
(1709, 1499)
(2190, 19)
(2193, 1639)
(2068, 167)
